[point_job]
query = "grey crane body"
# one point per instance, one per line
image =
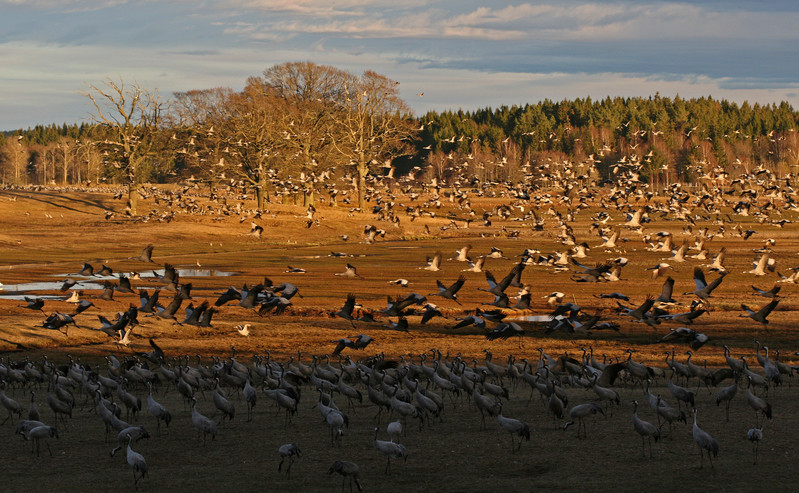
(770, 369)
(284, 401)
(680, 393)
(202, 424)
(11, 406)
(726, 395)
(132, 402)
(668, 413)
(428, 403)
(515, 427)
(250, 397)
(26, 425)
(222, 403)
(604, 393)
(347, 470)
(485, 405)
(406, 409)
(760, 406)
(109, 417)
(394, 430)
(349, 392)
(137, 462)
(42, 432)
(288, 451)
(390, 449)
(579, 413)
(705, 442)
(159, 412)
(647, 430)
(336, 420)
(753, 378)
(59, 407)
(755, 435)
(33, 411)
(129, 434)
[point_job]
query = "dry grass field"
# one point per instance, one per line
(48, 235)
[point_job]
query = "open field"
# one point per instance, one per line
(47, 236)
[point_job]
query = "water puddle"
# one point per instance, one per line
(12, 291)
(47, 286)
(182, 272)
(22, 297)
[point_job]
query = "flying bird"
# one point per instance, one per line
(470, 320)
(33, 304)
(146, 254)
(762, 313)
(433, 263)
(346, 311)
(660, 269)
(771, 293)
(243, 329)
(684, 334)
(703, 289)
(451, 292)
(350, 272)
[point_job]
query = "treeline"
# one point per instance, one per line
(303, 120)
(685, 136)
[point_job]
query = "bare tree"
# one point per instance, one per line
(14, 153)
(131, 115)
(307, 90)
(373, 125)
(296, 121)
(199, 120)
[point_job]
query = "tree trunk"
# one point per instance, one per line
(309, 198)
(66, 164)
(259, 196)
(362, 170)
(133, 198)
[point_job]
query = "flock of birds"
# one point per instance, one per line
(129, 393)
(421, 391)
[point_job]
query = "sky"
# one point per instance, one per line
(446, 54)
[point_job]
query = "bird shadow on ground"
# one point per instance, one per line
(96, 203)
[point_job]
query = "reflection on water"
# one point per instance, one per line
(95, 282)
(195, 273)
(182, 272)
(49, 286)
(23, 296)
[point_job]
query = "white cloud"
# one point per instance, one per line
(458, 52)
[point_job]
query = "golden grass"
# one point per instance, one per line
(47, 233)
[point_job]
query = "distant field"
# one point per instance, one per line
(48, 235)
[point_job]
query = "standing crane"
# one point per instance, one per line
(647, 430)
(727, 394)
(157, 410)
(137, 462)
(705, 442)
(288, 451)
(390, 449)
(349, 470)
(201, 423)
(579, 413)
(514, 427)
(754, 435)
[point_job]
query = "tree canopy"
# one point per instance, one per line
(297, 125)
